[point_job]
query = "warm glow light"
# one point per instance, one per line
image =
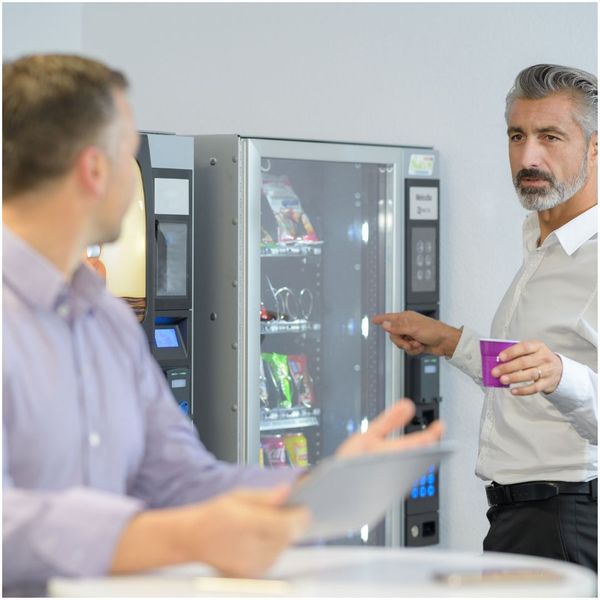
(125, 259)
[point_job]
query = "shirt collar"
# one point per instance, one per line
(571, 236)
(38, 281)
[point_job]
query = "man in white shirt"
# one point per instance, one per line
(538, 438)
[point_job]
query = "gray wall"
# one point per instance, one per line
(392, 73)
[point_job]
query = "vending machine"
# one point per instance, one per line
(150, 265)
(298, 244)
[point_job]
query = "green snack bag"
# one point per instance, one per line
(281, 371)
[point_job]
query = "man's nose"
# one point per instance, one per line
(532, 155)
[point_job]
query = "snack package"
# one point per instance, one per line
(262, 386)
(280, 374)
(302, 380)
(265, 237)
(292, 222)
(273, 392)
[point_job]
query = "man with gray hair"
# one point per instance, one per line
(538, 438)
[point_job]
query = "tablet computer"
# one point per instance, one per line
(343, 494)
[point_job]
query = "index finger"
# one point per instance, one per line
(517, 350)
(403, 323)
(380, 318)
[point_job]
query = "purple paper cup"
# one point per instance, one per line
(490, 349)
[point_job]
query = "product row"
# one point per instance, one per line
(291, 223)
(285, 381)
(288, 450)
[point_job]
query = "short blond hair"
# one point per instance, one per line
(53, 106)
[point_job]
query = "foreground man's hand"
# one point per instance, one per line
(240, 533)
(533, 361)
(415, 333)
(375, 439)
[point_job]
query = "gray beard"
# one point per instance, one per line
(557, 193)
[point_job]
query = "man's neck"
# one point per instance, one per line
(49, 225)
(554, 218)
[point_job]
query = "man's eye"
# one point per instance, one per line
(552, 138)
(517, 137)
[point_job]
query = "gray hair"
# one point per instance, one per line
(539, 81)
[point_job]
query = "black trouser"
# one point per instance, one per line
(564, 527)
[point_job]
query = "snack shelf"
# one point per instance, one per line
(298, 249)
(298, 326)
(289, 418)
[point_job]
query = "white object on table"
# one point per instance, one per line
(356, 572)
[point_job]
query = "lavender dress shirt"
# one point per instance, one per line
(91, 432)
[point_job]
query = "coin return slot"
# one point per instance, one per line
(429, 529)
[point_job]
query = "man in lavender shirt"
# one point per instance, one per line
(102, 472)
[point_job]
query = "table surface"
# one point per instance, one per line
(357, 572)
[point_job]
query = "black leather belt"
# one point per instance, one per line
(537, 490)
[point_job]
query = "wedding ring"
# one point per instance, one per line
(539, 372)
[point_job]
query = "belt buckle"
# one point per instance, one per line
(497, 494)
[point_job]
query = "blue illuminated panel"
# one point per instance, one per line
(166, 338)
(424, 487)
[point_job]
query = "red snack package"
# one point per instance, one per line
(302, 380)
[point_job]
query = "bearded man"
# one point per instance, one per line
(539, 435)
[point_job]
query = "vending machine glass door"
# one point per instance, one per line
(324, 245)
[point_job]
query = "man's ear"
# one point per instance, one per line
(594, 147)
(91, 166)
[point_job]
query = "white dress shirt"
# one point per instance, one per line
(553, 298)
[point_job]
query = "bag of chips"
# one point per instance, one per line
(277, 365)
(293, 223)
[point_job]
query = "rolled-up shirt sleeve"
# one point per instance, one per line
(70, 533)
(576, 397)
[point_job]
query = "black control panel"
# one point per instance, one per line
(421, 525)
(166, 166)
(180, 384)
(422, 241)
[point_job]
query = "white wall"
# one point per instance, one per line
(392, 73)
(37, 27)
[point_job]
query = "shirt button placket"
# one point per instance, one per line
(63, 310)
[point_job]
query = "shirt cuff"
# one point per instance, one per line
(467, 355)
(78, 534)
(571, 393)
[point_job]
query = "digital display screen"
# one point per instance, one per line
(178, 383)
(171, 259)
(166, 338)
(430, 369)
